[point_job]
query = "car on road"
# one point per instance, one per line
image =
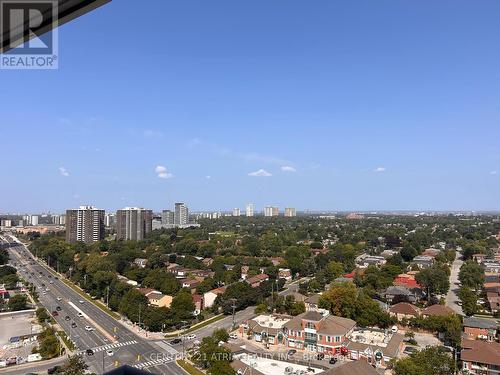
(80, 315)
(55, 313)
(190, 336)
(109, 352)
(80, 302)
(88, 328)
(73, 325)
(67, 318)
(291, 352)
(59, 298)
(58, 308)
(332, 361)
(175, 341)
(233, 336)
(89, 352)
(51, 282)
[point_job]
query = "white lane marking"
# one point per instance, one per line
(78, 309)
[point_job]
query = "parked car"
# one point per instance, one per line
(175, 341)
(233, 336)
(73, 325)
(58, 308)
(190, 336)
(67, 318)
(88, 328)
(291, 352)
(80, 315)
(89, 352)
(109, 352)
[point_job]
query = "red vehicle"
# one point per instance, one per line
(55, 313)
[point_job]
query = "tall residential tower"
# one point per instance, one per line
(85, 224)
(133, 223)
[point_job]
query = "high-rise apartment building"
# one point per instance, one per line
(85, 224)
(133, 223)
(250, 210)
(167, 217)
(236, 212)
(34, 220)
(271, 211)
(181, 215)
(290, 212)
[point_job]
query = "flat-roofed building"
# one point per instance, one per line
(133, 223)
(85, 224)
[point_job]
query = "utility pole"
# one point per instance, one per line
(107, 297)
(139, 324)
(233, 300)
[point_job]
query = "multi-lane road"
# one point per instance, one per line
(112, 344)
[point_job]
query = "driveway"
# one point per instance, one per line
(452, 297)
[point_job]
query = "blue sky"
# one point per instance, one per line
(343, 105)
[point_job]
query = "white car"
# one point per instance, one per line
(190, 336)
(59, 298)
(81, 301)
(109, 352)
(88, 328)
(233, 336)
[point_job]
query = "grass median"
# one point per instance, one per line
(189, 368)
(197, 326)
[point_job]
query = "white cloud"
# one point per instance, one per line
(379, 169)
(63, 172)
(161, 172)
(260, 173)
(208, 177)
(493, 172)
(288, 168)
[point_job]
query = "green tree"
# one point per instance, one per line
(469, 300)
(17, 302)
(74, 365)
(182, 306)
(471, 275)
(340, 299)
(432, 360)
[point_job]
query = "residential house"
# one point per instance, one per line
(244, 272)
(431, 252)
(404, 310)
(198, 303)
(480, 357)
(480, 328)
(207, 262)
(317, 331)
(437, 310)
(491, 267)
(190, 284)
(365, 260)
(210, 296)
(378, 347)
(423, 261)
(256, 280)
(156, 298)
(406, 279)
(401, 293)
(285, 273)
(493, 297)
(312, 302)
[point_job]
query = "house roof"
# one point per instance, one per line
(314, 299)
(481, 352)
(257, 278)
(359, 367)
(437, 310)
(336, 325)
(312, 315)
(404, 308)
(480, 323)
(390, 350)
(397, 290)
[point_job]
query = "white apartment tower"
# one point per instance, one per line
(249, 210)
(181, 214)
(236, 212)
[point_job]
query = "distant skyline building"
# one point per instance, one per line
(236, 212)
(85, 224)
(290, 212)
(133, 223)
(271, 211)
(250, 210)
(167, 217)
(34, 220)
(181, 215)
(110, 220)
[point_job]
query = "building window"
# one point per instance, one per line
(337, 338)
(320, 337)
(310, 325)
